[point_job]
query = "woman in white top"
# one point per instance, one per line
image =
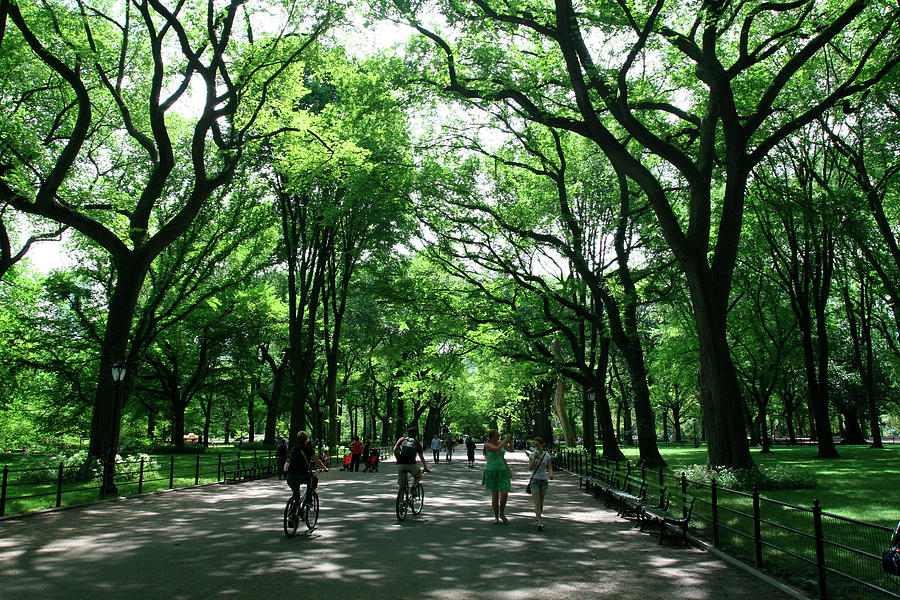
(541, 466)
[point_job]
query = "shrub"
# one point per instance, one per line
(767, 478)
(164, 448)
(255, 446)
(76, 467)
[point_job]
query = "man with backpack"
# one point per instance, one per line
(406, 450)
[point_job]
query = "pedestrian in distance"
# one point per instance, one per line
(470, 451)
(497, 475)
(366, 450)
(355, 453)
(448, 444)
(436, 448)
(281, 454)
(540, 463)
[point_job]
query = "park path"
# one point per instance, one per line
(226, 541)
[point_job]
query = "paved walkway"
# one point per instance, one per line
(226, 541)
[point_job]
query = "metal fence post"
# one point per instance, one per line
(714, 489)
(3, 490)
(219, 469)
(683, 491)
(171, 471)
(820, 550)
(757, 528)
(141, 478)
(59, 476)
(197, 471)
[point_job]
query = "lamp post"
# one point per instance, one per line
(109, 486)
(592, 445)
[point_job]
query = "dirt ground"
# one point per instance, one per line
(226, 541)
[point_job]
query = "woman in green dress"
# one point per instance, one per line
(496, 476)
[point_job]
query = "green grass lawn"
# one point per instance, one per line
(23, 495)
(862, 484)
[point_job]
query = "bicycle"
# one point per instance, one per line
(410, 498)
(305, 509)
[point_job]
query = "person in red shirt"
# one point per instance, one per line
(355, 453)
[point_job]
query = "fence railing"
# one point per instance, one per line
(34, 488)
(834, 556)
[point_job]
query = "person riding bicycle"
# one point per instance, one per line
(299, 468)
(405, 450)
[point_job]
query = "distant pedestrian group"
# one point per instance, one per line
(496, 478)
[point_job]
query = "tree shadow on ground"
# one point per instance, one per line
(226, 541)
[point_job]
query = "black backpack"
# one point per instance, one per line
(408, 448)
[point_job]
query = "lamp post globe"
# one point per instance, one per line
(118, 371)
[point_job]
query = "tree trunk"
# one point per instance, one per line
(627, 424)
(764, 438)
(106, 420)
(664, 416)
(559, 401)
(676, 417)
(608, 440)
(388, 415)
(789, 423)
(752, 426)
(207, 420)
(720, 396)
(587, 420)
(852, 431)
(823, 420)
(178, 408)
(869, 368)
(251, 420)
(400, 418)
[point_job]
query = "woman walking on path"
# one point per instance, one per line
(496, 473)
(541, 466)
(470, 450)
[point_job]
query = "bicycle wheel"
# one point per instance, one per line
(418, 499)
(311, 511)
(402, 504)
(291, 517)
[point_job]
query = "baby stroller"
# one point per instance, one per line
(345, 465)
(372, 463)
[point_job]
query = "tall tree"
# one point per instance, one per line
(121, 167)
(707, 88)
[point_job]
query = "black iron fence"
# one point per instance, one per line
(826, 554)
(34, 488)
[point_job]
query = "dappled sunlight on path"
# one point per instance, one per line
(226, 541)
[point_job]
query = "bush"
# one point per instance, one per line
(168, 448)
(767, 478)
(254, 446)
(76, 467)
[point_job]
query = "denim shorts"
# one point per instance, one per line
(539, 484)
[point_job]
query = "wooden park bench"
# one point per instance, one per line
(242, 471)
(675, 513)
(629, 496)
(655, 497)
(264, 466)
